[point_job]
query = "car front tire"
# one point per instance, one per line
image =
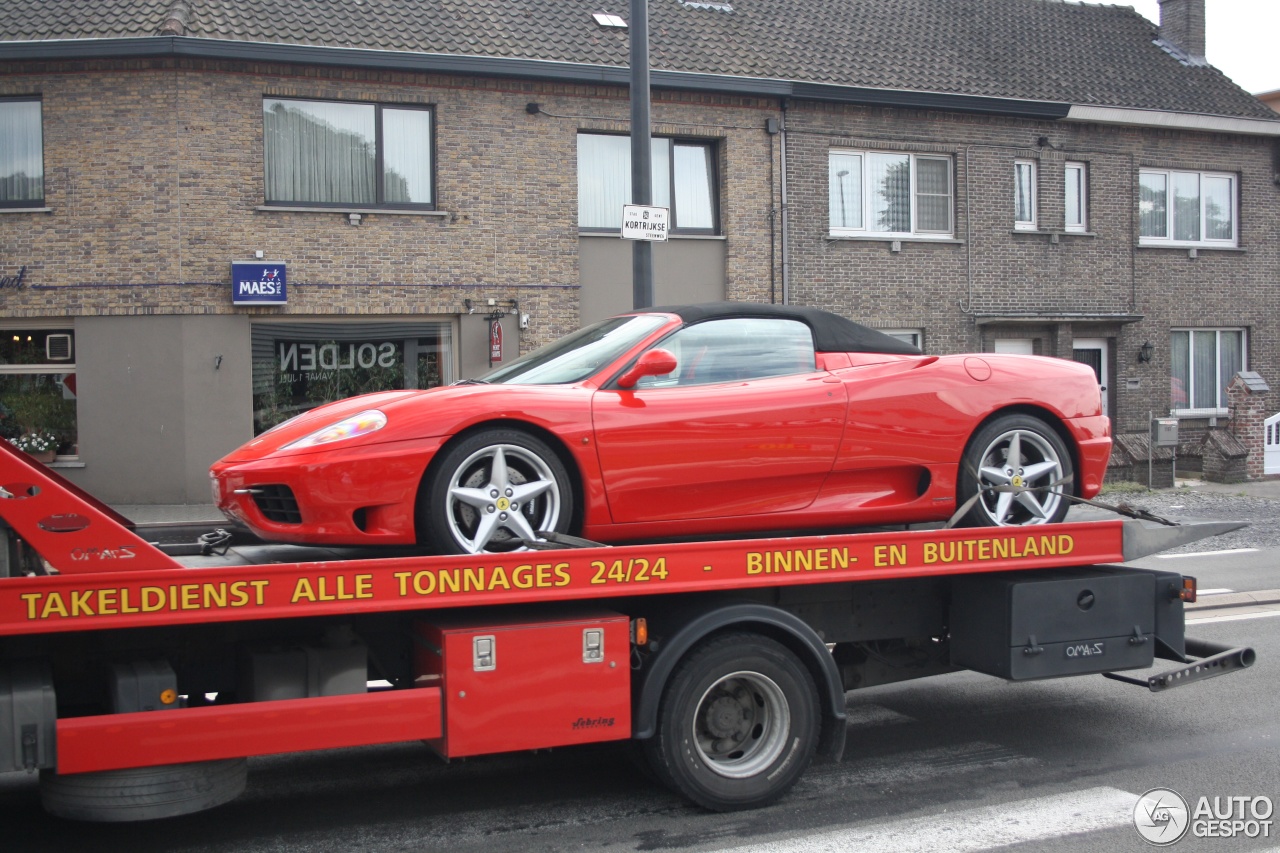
(493, 490)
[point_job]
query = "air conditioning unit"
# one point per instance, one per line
(58, 347)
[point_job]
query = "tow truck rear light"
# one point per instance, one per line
(1188, 592)
(639, 632)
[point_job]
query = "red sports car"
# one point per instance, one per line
(676, 422)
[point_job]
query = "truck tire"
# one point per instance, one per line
(738, 723)
(143, 793)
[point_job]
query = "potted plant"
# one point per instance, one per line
(41, 444)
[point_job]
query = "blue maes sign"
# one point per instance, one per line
(257, 283)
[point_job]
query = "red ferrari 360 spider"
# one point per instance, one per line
(676, 422)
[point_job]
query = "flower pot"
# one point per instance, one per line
(45, 456)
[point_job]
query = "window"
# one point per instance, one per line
(908, 336)
(329, 153)
(882, 193)
(1024, 194)
(21, 153)
(1076, 197)
(683, 182)
(298, 366)
(1186, 208)
(38, 391)
(736, 350)
(1203, 362)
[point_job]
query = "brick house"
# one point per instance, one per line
(1032, 175)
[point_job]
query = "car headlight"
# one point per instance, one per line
(352, 427)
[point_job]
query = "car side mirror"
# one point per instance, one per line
(656, 362)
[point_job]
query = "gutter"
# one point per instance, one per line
(535, 69)
(572, 72)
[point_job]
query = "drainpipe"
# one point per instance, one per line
(786, 261)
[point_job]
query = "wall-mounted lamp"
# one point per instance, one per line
(1145, 351)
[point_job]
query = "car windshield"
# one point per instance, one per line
(579, 355)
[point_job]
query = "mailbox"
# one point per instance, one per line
(1164, 432)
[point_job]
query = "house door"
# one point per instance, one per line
(1093, 352)
(1271, 453)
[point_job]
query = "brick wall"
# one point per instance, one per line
(948, 288)
(154, 178)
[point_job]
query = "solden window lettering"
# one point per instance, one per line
(881, 193)
(1177, 208)
(683, 181)
(334, 153)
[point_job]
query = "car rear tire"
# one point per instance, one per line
(1021, 469)
(738, 724)
(494, 489)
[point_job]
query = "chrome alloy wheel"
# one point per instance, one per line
(499, 494)
(742, 725)
(1019, 475)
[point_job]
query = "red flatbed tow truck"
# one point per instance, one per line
(137, 685)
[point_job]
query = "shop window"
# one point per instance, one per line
(21, 153)
(298, 366)
(683, 181)
(345, 154)
(38, 391)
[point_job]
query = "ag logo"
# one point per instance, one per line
(1161, 816)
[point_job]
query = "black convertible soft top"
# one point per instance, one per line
(831, 332)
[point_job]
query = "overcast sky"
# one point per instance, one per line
(1241, 39)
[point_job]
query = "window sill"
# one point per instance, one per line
(68, 462)
(26, 210)
(344, 211)
(849, 238)
(1052, 233)
(1192, 414)
(1183, 247)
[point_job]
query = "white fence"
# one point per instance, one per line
(1271, 439)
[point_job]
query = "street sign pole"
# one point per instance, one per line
(641, 151)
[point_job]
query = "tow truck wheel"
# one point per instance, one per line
(738, 724)
(143, 793)
(1021, 468)
(492, 490)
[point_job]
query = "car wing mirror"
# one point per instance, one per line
(655, 362)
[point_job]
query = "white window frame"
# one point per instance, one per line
(1025, 223)
(1076, 180)
(1168, 240)
(1190, 389)
(916, 232)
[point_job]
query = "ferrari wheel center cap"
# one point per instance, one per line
(504, 504)
(1017, 482)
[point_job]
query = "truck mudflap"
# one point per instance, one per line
(1205, 659)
